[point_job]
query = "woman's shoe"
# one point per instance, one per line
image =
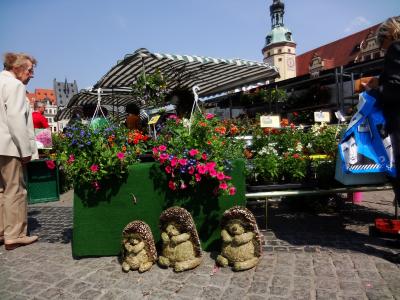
(22, 241)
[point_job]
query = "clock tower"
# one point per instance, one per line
(280, 48)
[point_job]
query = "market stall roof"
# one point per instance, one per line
(211, 75)
(214, 77)
(114, 100)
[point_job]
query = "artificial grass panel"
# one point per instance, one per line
(99, 218)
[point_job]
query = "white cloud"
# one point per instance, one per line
(359, 22)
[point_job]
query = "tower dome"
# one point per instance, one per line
(279, 33)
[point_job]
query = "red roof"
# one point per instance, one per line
(335, 54)
(42, 94)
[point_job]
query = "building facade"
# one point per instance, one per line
(64, 91)
(280, 48)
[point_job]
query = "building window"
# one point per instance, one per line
(279, 51)
(279, 59)
(289, 51)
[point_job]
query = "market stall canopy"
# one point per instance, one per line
(114, 100)
(211, 75)
(214, 77)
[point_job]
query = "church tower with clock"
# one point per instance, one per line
(280, 48)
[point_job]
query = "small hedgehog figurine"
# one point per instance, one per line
(241, 241)
(180, 242)
(138, 248)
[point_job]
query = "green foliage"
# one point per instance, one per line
(151, 89)
(90, 156)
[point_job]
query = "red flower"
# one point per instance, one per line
(223, 185)
(172, 185)
(296, 155)
(168, 169)
(94, 168)
(232, 191)
(50, 164)
(193, 152)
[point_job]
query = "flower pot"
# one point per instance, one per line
(99, 218)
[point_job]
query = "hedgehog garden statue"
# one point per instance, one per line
(138, 248)
(181, 248)
(241, 241)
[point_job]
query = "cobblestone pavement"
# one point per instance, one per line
(322, 254)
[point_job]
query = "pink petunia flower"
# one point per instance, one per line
(183, 185)
(164, 156)
(191, 170)
(174, 117)
(168, 169)
(220, 176)
(120, 155)
(232, 190)
(162, 148)
(183, 161)
(211, 165)
(223, 185)
(212, 172)
(193, 152)
(94, 168)
(201, 169)
(209, 116)
(174, 162)
(50, 164)
(204, 156)
(155, 150)
(197, 177)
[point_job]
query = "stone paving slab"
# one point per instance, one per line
(325, 255)
(47, 271)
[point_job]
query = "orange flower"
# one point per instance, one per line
(123, 148)
(284, 122)
(202, 124)
(234, 129)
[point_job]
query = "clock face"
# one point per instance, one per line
(290, 62)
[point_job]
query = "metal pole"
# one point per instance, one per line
(337, 88)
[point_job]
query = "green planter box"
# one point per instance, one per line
(99, 218)
(42, 183)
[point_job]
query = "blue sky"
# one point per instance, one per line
(83, 39)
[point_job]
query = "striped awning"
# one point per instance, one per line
(115, 100)
(214, 77)
(211, 75)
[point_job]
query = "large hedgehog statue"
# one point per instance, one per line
(180, 242)
(138, 248)
(241, 240)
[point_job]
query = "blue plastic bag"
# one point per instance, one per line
(366, 147)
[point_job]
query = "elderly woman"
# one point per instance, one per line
(15, 148)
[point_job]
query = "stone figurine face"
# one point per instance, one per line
(132, 240)
(235, 227)
(172, 229)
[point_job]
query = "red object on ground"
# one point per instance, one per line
(387, 226)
